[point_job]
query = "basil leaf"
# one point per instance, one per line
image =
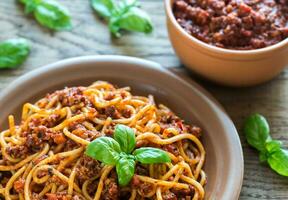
(263, 156)
(13, 52)
(104, 149)
(53, 15)
(149, 155)
(124, 6)
(114, 26)
(125, 169)
(273, 145)
(30, 5)
(256, 129)
(103, 8)
(278, 161)
(135, 20)
(125, 136)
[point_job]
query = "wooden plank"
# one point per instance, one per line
(91, 37)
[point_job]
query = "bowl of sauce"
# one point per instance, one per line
(232, 42)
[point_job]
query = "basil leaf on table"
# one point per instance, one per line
(103, 8)
(13, 52)
(53, 15)
(104, 149)
(270, 147)
(125, 136)
(278, 161)
(125, 169)
(124, 15)
(149, 155)
(273, 145)
(30, 5)
(257, 133)
(257, 130)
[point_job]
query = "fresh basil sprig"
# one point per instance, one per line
(13, 52)
(49, 13)
(119, 152)
(257, 132)
(123, 15)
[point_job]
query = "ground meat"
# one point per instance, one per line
(135, 182)
(169, 196)
(145, 188)
(92, 187)
(87, 168)
(141, 170)
(234, 24)
(19, 151)
(76, 197)
(81, 131)
(72, 96)
(35, 162)
(69, 145)
(19, 185)
(184, 192)
(126, 113)
(37, 135)
(112, 112)
(58, 196)
(110, 190)
(172, 148)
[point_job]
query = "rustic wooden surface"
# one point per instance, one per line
(90, 36)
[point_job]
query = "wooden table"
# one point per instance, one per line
(91, 37)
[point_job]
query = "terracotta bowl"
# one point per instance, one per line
(224, 66)
(224, 162)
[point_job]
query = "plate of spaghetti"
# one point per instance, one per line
(113, 127)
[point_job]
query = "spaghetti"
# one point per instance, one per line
(43, 157)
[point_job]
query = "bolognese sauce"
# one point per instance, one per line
(234, 24)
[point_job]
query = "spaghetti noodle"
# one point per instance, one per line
(43, 157)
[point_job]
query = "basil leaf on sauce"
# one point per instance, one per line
(104, 149)
(118, 152)
(125, 169)
(149, 155)
(125, 136)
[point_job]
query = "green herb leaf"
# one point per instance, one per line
(256, 129)
(30, 5)
(125, 136)
(53, 15)
(123, 6)
(104, 149)
(125, 169)
(136, 20)
(103, 8)
(278, 161)
(263, 156)
(149, 155)
(123, 15)
(273, 145)
(13, 52)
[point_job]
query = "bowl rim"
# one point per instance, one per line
(22, 81)
(171, 17)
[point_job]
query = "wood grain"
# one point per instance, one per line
(90, 36)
